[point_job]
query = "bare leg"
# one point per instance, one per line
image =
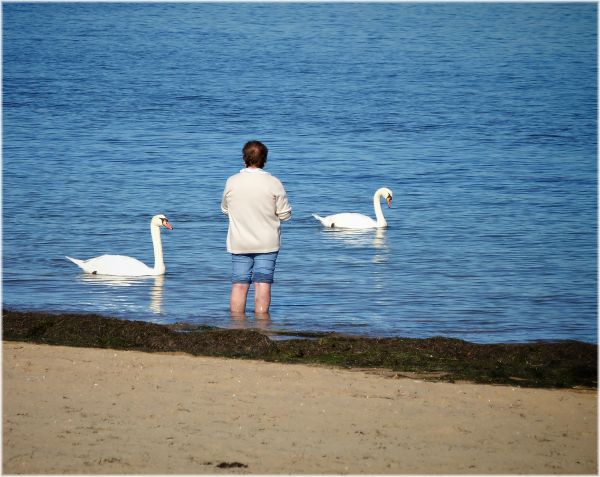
(239, 292)
(262, 298)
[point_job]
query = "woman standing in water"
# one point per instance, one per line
(256, 204)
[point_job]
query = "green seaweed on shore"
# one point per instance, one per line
(540, 364)
(562, 364)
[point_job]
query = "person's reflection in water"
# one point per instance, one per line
(263, 321)
(240, 320)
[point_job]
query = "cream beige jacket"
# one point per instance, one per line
(256, 203)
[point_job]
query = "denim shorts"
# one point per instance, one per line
(253, 267)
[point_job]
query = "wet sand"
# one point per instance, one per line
(86, 410)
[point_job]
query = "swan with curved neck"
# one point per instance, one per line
(121, 265)
(351, 220)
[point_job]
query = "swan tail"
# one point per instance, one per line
(321, 219)
(76, 261)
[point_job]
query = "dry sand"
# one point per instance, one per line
(76, 410)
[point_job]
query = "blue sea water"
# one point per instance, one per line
(481, 117)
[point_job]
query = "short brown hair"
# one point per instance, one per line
(255, 154)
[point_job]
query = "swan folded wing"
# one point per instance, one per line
(117, 265)
(351, 220)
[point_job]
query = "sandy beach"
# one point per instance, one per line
(103, 411)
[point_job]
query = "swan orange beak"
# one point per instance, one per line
(167, 224)
(388, 199)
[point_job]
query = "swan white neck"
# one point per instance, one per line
(159, 262)
(381, 222)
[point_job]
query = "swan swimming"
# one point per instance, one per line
(121, 265)
(351, 220)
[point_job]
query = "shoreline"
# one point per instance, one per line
(274, 334)
(563, 364)
(104, 411)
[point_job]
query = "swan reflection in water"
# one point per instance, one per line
(361, 238)
(156, 288)
(156, 294)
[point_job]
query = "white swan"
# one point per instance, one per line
(121, 265)
(351, 220)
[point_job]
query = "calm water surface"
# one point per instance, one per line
(480, 117)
